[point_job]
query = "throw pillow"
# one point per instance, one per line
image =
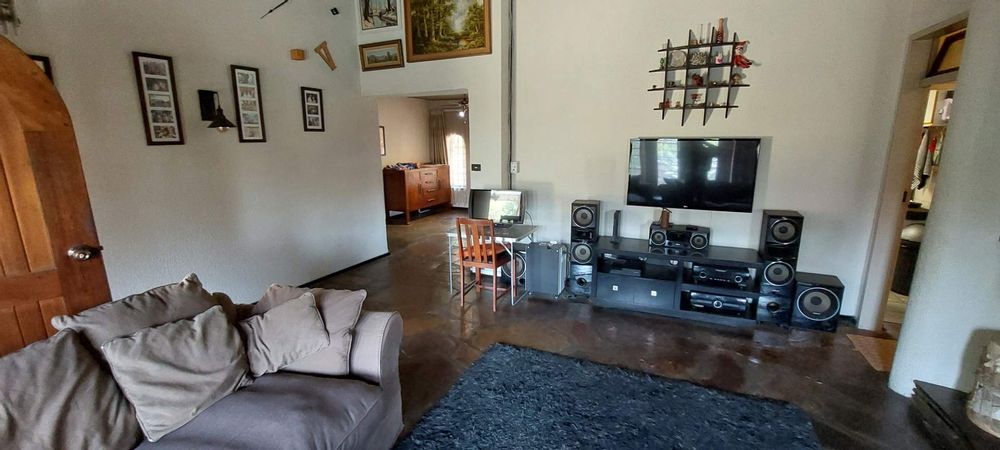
(340, 310)
(54, 394)
(284, 334)
(173, 372)
(123, 317)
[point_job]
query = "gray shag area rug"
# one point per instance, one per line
(515, 397)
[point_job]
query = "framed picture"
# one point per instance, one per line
(249, 108)
(381, 140)
(381, 55)
(434, 32)
(312, 109)
(154, 75)
(378, 14)
(45, 64)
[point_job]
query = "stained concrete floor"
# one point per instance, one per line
(848, 401)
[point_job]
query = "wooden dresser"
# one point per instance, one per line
(410, 190)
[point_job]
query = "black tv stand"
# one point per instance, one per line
(629, 274)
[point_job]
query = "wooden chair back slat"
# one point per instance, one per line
(475, 240)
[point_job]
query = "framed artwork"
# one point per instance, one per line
(154, 75)
(381, 55)
(381, 139)
(249, 108)
(45, 64)
(312, 109)
(442, 29)
(378, 14)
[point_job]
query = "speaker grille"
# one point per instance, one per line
(699, 241)
(583, 217)
(779, 273)
(785, 231)
(582, 253)
(818, 304)
(657, 238)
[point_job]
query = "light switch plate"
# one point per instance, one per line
(477, 167)
(515, 166)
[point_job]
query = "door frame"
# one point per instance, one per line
(897, 172)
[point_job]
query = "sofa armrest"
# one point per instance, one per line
(375, 348)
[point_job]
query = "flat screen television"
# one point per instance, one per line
(693, 173)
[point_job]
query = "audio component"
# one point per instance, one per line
(688, 236)
(580, 279)
(584, 227)
(546, 268)
(817, 301)
(679, 236)
(780, 233)
(739, 278)
(520, 255)
(720, 304)
(584, 220)
(772, 309)
(616, 235)
(582, 252)
(778, 277)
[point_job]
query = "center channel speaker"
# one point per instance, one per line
(679, 236)
(780, 233)
(817, 301)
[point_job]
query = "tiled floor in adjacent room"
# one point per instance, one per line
(849, 402)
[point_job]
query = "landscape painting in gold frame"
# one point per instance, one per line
(443, 29)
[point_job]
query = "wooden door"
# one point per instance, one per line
(44, 208)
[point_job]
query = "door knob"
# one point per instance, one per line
(84, 252)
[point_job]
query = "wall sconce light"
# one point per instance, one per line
(211, 110)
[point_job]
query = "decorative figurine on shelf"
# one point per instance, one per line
(718, 58)
(738, 59)
(663, 63)
(699, 58)
(654, 87)
(697, 80)
(671, 83)
(664, 105)
(720, 34)
(677, 104)
(695, 98)
(737, 78)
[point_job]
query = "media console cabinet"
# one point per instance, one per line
(632, 275)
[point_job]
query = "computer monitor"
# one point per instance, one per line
(496, 205)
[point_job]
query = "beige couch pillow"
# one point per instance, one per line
(340, 310)
(54, 394)
(156, 306)
(173, 372)
(284, 334)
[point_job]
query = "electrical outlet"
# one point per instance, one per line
(515, 166)
(477, 167)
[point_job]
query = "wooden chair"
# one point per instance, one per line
(477, 249)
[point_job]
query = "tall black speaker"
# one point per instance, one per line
(780, 233)
(778, 276)
(817, 301)
(584, 229)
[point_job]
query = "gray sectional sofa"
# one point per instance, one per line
(296, 411)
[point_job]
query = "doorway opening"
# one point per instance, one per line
(425, 147)
(917, 151)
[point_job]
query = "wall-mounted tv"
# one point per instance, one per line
(693, 173)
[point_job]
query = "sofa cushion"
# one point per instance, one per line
(54, 394)
(287, 411)
(340, 310)
(173, 372)
(284, 334)
(123, 317)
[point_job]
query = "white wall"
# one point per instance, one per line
(242, 216)
(480, 76)
(407, 129)
(954, 306)
(822, 95)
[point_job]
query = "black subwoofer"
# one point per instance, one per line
(521, 257)
(818, 299)
(772, 309)
(780, 233)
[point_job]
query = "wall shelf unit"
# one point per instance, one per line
(722, 73)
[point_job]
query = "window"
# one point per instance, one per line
(455, 146)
